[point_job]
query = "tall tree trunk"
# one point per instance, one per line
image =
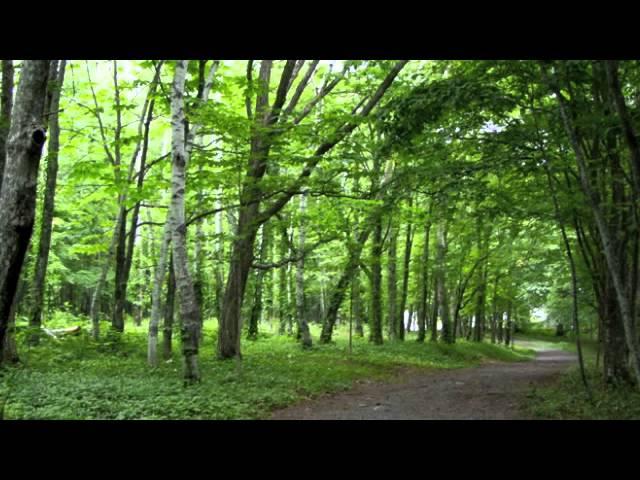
(443, 296)
(126, 242)
(119, 297)
(18, 196)
(424, 284)
(47, 208)
(614, 262)
(230, 324)
(339, 291)
(169, 309)
(7, 348)
(97, 292)
(189, 308)
(405, 278)
(122, 274)
(375, 334)
(356, 300)
(392, 285)
(508, 328)
(300, 297)
(219, 255)
(283, 303)
(256, 308)
(156, 295)
(478, 327)
(574, 281)
(433, 321)
(494, 309)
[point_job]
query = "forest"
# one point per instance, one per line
(233, 239)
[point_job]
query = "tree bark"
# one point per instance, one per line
(47, 208)
(283, 299)
(405, 278)
(126, 242)
(6, 105)
(613, 259)
(375, 333)
(169, 309)
(339, 290)
(189, 308)
(257, 308)
(443, 296)
(357, 303)
(156, 295)
(424, 284)
(219, 269)
(392, 285)
(494, 306)
(300, 297)
(574, 281)
(18, 196)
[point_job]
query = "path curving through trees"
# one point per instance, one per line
(492, 391)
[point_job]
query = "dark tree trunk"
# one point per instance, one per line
(356, 299)
(424, 285)
(256, 307)
(119, 298)
(375, 334)
(6, 104)
(441, 280)
(338, 293)
(613, 258)
(169, 309)
(508, 328)
(18, 196)
(614, 357)
(392, 285)
(47, 208)
(301, 310)
(242, 251)
(219, 268)
(435, 309)
(405, 279)
(283, 303)
(478, 328)
(494, 306)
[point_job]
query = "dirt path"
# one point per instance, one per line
(491, 391)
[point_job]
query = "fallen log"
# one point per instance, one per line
(61, 332)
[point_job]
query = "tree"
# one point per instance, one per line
(250, 216)
(44, 243)
(18, 196)
(189, 308)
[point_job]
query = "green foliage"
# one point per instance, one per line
(566, 399)
(78, 379)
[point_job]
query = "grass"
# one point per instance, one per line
(566, 399)
(77, 378)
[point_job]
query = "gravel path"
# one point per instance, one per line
(492, 391)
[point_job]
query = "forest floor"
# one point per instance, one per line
(492, 391)
(78, 378)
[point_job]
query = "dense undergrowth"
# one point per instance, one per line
(76, 378)
(566, 399)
